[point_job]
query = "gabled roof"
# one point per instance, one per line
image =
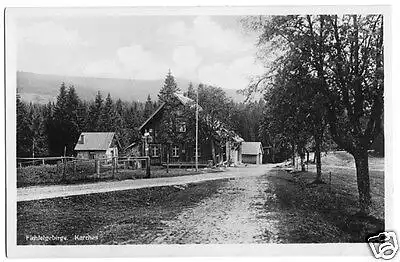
(152, 115)
(231, 134)
(252, 148)
(95, 141)
(183, 99)
(186, 101)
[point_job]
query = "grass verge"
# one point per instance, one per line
(323, 213)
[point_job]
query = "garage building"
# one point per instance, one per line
(252, 153)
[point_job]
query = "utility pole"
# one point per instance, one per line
(197, 129)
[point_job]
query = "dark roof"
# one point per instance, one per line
(95, 141)
(152, 115)
(251, 148)
(186, 101)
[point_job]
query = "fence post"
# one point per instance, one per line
(148, 167)
(43, 161)
(330, 181)
(74, 167)
(167, 162)
(113, 167)
(97, 168)
(64, 176)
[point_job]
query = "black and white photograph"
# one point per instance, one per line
(147, 127)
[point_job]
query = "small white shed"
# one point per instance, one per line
(252, 153)
(95, 145)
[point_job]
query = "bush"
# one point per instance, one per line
(53, 174)
(35, 175)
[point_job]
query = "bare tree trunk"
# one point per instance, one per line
(302, 157)
(317, 157)
(214, 157)
(361, 159)
(273, 153)
(293, 155)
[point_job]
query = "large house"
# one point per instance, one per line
(183, 149)
(96, 145)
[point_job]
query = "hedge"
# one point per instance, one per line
(53, 174)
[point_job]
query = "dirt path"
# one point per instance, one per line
(272, 208)
(45, 192)
(235, 214)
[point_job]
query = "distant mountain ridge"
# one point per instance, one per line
(42, 88)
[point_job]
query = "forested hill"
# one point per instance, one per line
(41, 88)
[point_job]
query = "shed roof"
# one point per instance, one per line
(95, 141)
(251, 148)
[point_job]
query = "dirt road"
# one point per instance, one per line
(235, 214)
(45, 192)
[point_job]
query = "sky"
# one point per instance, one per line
(213, 50)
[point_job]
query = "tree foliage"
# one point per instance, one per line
(345, 56)
(47, 130)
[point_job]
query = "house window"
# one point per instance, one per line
(155, 151)
(198, 152)
(182, 127)
(175, 151)
(92, 155)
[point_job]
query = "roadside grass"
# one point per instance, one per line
(109, 218)
(162, 172)
(339, 158)
(53, 175)
(328, 212)
(344, 159)
(344, 182)
(338, 168)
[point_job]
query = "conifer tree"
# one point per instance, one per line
(167, 96)
(24, 135)
(72, 120)
(105, 121)
(94, 113)
(169, 89)
(60, 119)
(191, 93)
(148, 107)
